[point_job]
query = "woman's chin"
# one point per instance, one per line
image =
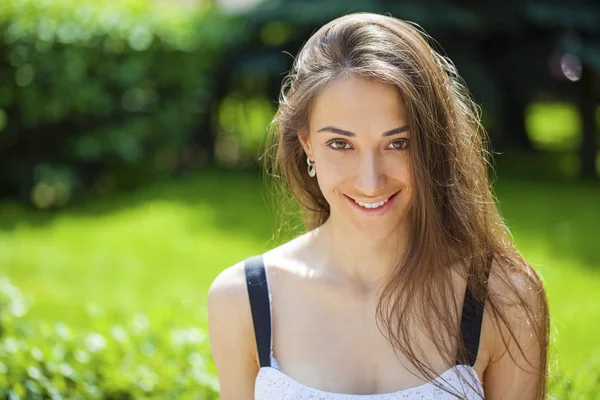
(369, 229)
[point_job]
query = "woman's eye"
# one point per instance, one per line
(399, 144)
(338, 144)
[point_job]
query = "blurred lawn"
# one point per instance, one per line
(143, 251)
(160, 247)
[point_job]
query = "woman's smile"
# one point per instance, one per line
(373, 208)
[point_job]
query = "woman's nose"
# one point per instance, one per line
(370, 177)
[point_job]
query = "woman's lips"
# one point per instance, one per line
(374, 211)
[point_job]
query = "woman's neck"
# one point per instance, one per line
(354, 256)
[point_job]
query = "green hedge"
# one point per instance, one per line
(133, 359)
(99, 93)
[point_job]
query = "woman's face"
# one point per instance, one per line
(359, 142)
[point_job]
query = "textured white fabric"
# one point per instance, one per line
(273, 384)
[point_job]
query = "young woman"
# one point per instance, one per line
(406, 284)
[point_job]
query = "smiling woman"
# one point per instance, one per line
(406, 283)
(359, 171)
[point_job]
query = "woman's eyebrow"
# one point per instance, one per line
(343, 132)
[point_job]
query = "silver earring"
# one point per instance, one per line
(311, 167)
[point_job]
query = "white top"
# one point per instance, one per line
(273, 384)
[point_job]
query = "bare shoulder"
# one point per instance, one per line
(230, 282)
(232, 334)
(228, 294)
(228, 302)
(518, 316)
(516, 286)
(519, 302)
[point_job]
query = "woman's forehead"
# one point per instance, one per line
(358, 103)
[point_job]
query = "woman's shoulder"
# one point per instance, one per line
(518, 322)
(515, 283)
(230, 325)
(520, 308)
(229, 286)
(227, 294)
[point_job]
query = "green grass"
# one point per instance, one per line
(159, 248)
(143, 251)
(557, 227)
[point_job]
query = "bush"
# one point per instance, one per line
(98, 93)
(135, 359)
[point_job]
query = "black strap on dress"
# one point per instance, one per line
(258, 292)
(471, 320)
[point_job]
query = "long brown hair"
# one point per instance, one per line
(455, 220)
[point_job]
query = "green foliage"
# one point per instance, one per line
(89, 89)
(554, 126)
(138, 358)
(244, 123)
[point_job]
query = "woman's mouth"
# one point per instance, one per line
(373, 208)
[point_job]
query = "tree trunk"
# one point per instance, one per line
(514, 133)
(204, 136)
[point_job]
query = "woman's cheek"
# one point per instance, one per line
(337, 167)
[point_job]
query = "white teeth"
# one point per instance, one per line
(370, 205)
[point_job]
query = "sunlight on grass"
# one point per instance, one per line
(556, 227)
(143, 256)
(160, 247)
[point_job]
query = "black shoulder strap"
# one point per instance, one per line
(258, 292)
(471, 319)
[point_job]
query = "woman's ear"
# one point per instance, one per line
(305, 141)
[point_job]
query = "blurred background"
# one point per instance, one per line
(130, 133)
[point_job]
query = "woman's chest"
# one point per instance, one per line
(333, 342)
